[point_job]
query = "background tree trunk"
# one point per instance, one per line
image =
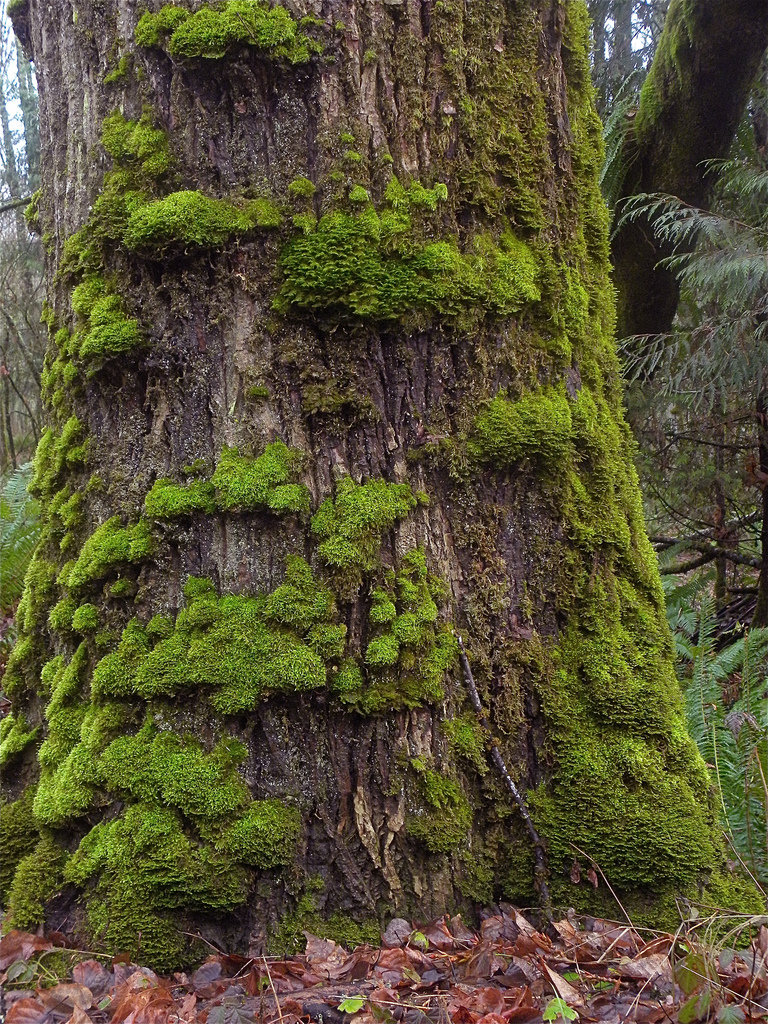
(260, 251)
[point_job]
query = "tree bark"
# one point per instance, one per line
(336, 297)
(690, 105)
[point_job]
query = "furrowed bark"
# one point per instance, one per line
(332, 371)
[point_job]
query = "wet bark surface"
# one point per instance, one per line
(246, 125)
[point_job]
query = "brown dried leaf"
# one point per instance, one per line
(79, 1016)
(16, 945)
(655, 967)
(27, 1011)
(93, 975)
(440, 937)
(397, 933)
(67, 996)
(563, 988)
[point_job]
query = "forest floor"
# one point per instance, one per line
(585, 970)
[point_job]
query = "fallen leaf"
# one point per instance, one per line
(563, 988)
(27, 1011)
(93, 975)
(67, 996)
(396, 933)
(16, 945)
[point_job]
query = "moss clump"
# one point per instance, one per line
(15, 736)
(169, 500)
(266, 835)
(302, 188)
(408, 651)
(352, 522)
(18, 837)
(55, 455)
(289, 936)
(163, 768)
(37, 597)
(122, 588)
(444, 823)
(467, 739)
(109, 331)
(38, 877)
(138, 145)
(373, 266)
(153, 28)
(212, 31)
(32, 212)
(109, 546)
(65, 789)
(86, 619)
(245, 484)
(61, 615)
(238, 648)
(120, 71)
(149, 868)
(536, 426)
(191, 219)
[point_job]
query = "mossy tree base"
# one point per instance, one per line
(328, 380)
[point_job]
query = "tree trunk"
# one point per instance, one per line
(332, 338)
(690, 106)
(29, 116)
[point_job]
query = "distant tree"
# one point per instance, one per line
(23, 338)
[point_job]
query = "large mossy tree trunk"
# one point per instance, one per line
(331, 375)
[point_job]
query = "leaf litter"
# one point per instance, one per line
(508, 971)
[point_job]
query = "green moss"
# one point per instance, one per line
(138, 145)
(153, 28)
(245, 484)
(302, 188)
(32, 212)
(109, 331)
(15, 736)
(536, 426)
(61, 615)
(628, 780)
(212, 31)
(444, 822)
(110, 546)
(37, 879)
(85, 619)
(239, 649)
(408, 652)
(121, 71)
(168, 500)
(148, 868)
(123, 588)
(163, 768)
(374, 266)
(466, 737)
(191, 219)
(358, 194)
(18, 837)
(351, 524)
(289, 936)
(55, 454)
(265, 837)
